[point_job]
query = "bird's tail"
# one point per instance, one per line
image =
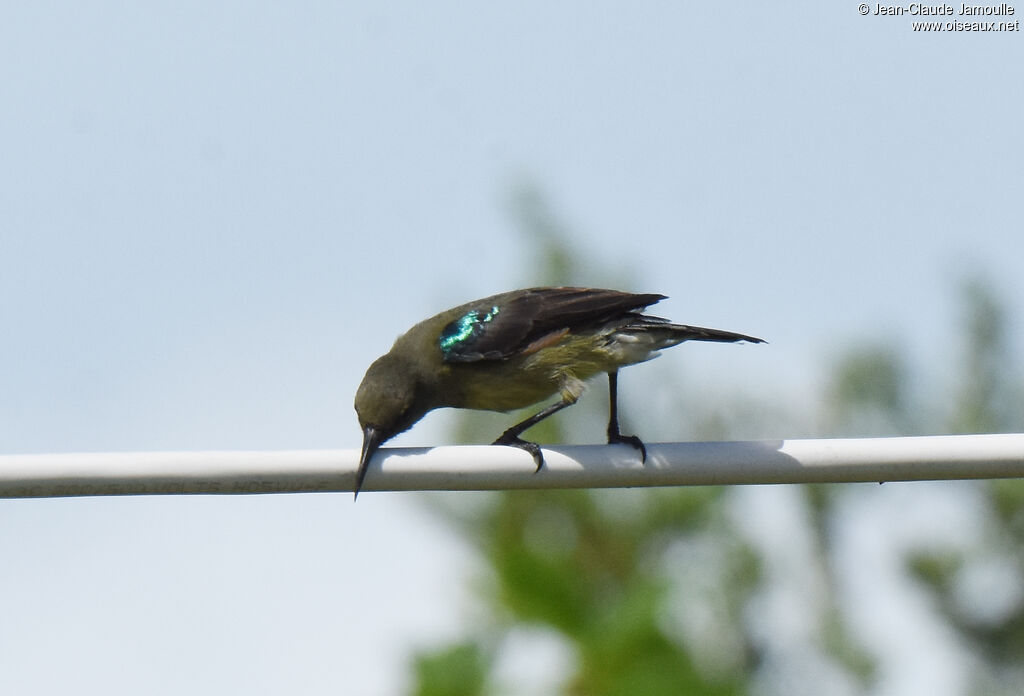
(670, 334)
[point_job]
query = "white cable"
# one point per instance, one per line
(499, 468)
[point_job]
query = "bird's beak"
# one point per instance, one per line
(372, 439)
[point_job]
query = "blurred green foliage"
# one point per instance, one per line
(456, 670)
(652, 591)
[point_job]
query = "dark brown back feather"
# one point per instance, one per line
(529, 315)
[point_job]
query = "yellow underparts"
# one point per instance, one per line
(511, 384)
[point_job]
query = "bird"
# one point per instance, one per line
(513, 350)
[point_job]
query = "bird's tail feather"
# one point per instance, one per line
(677, 333)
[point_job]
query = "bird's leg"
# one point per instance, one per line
(511, 436)
(614, 436)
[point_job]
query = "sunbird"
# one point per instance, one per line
(512, 350)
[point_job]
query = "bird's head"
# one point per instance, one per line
(387, 404)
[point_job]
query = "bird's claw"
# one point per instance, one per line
(631, 440)
(512, 440)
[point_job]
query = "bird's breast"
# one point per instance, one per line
(499, 392)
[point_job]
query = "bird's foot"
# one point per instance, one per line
(631, 440)
(511, 439)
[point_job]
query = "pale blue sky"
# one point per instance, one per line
(213, 216)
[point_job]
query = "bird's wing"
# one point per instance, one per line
(516, 322)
